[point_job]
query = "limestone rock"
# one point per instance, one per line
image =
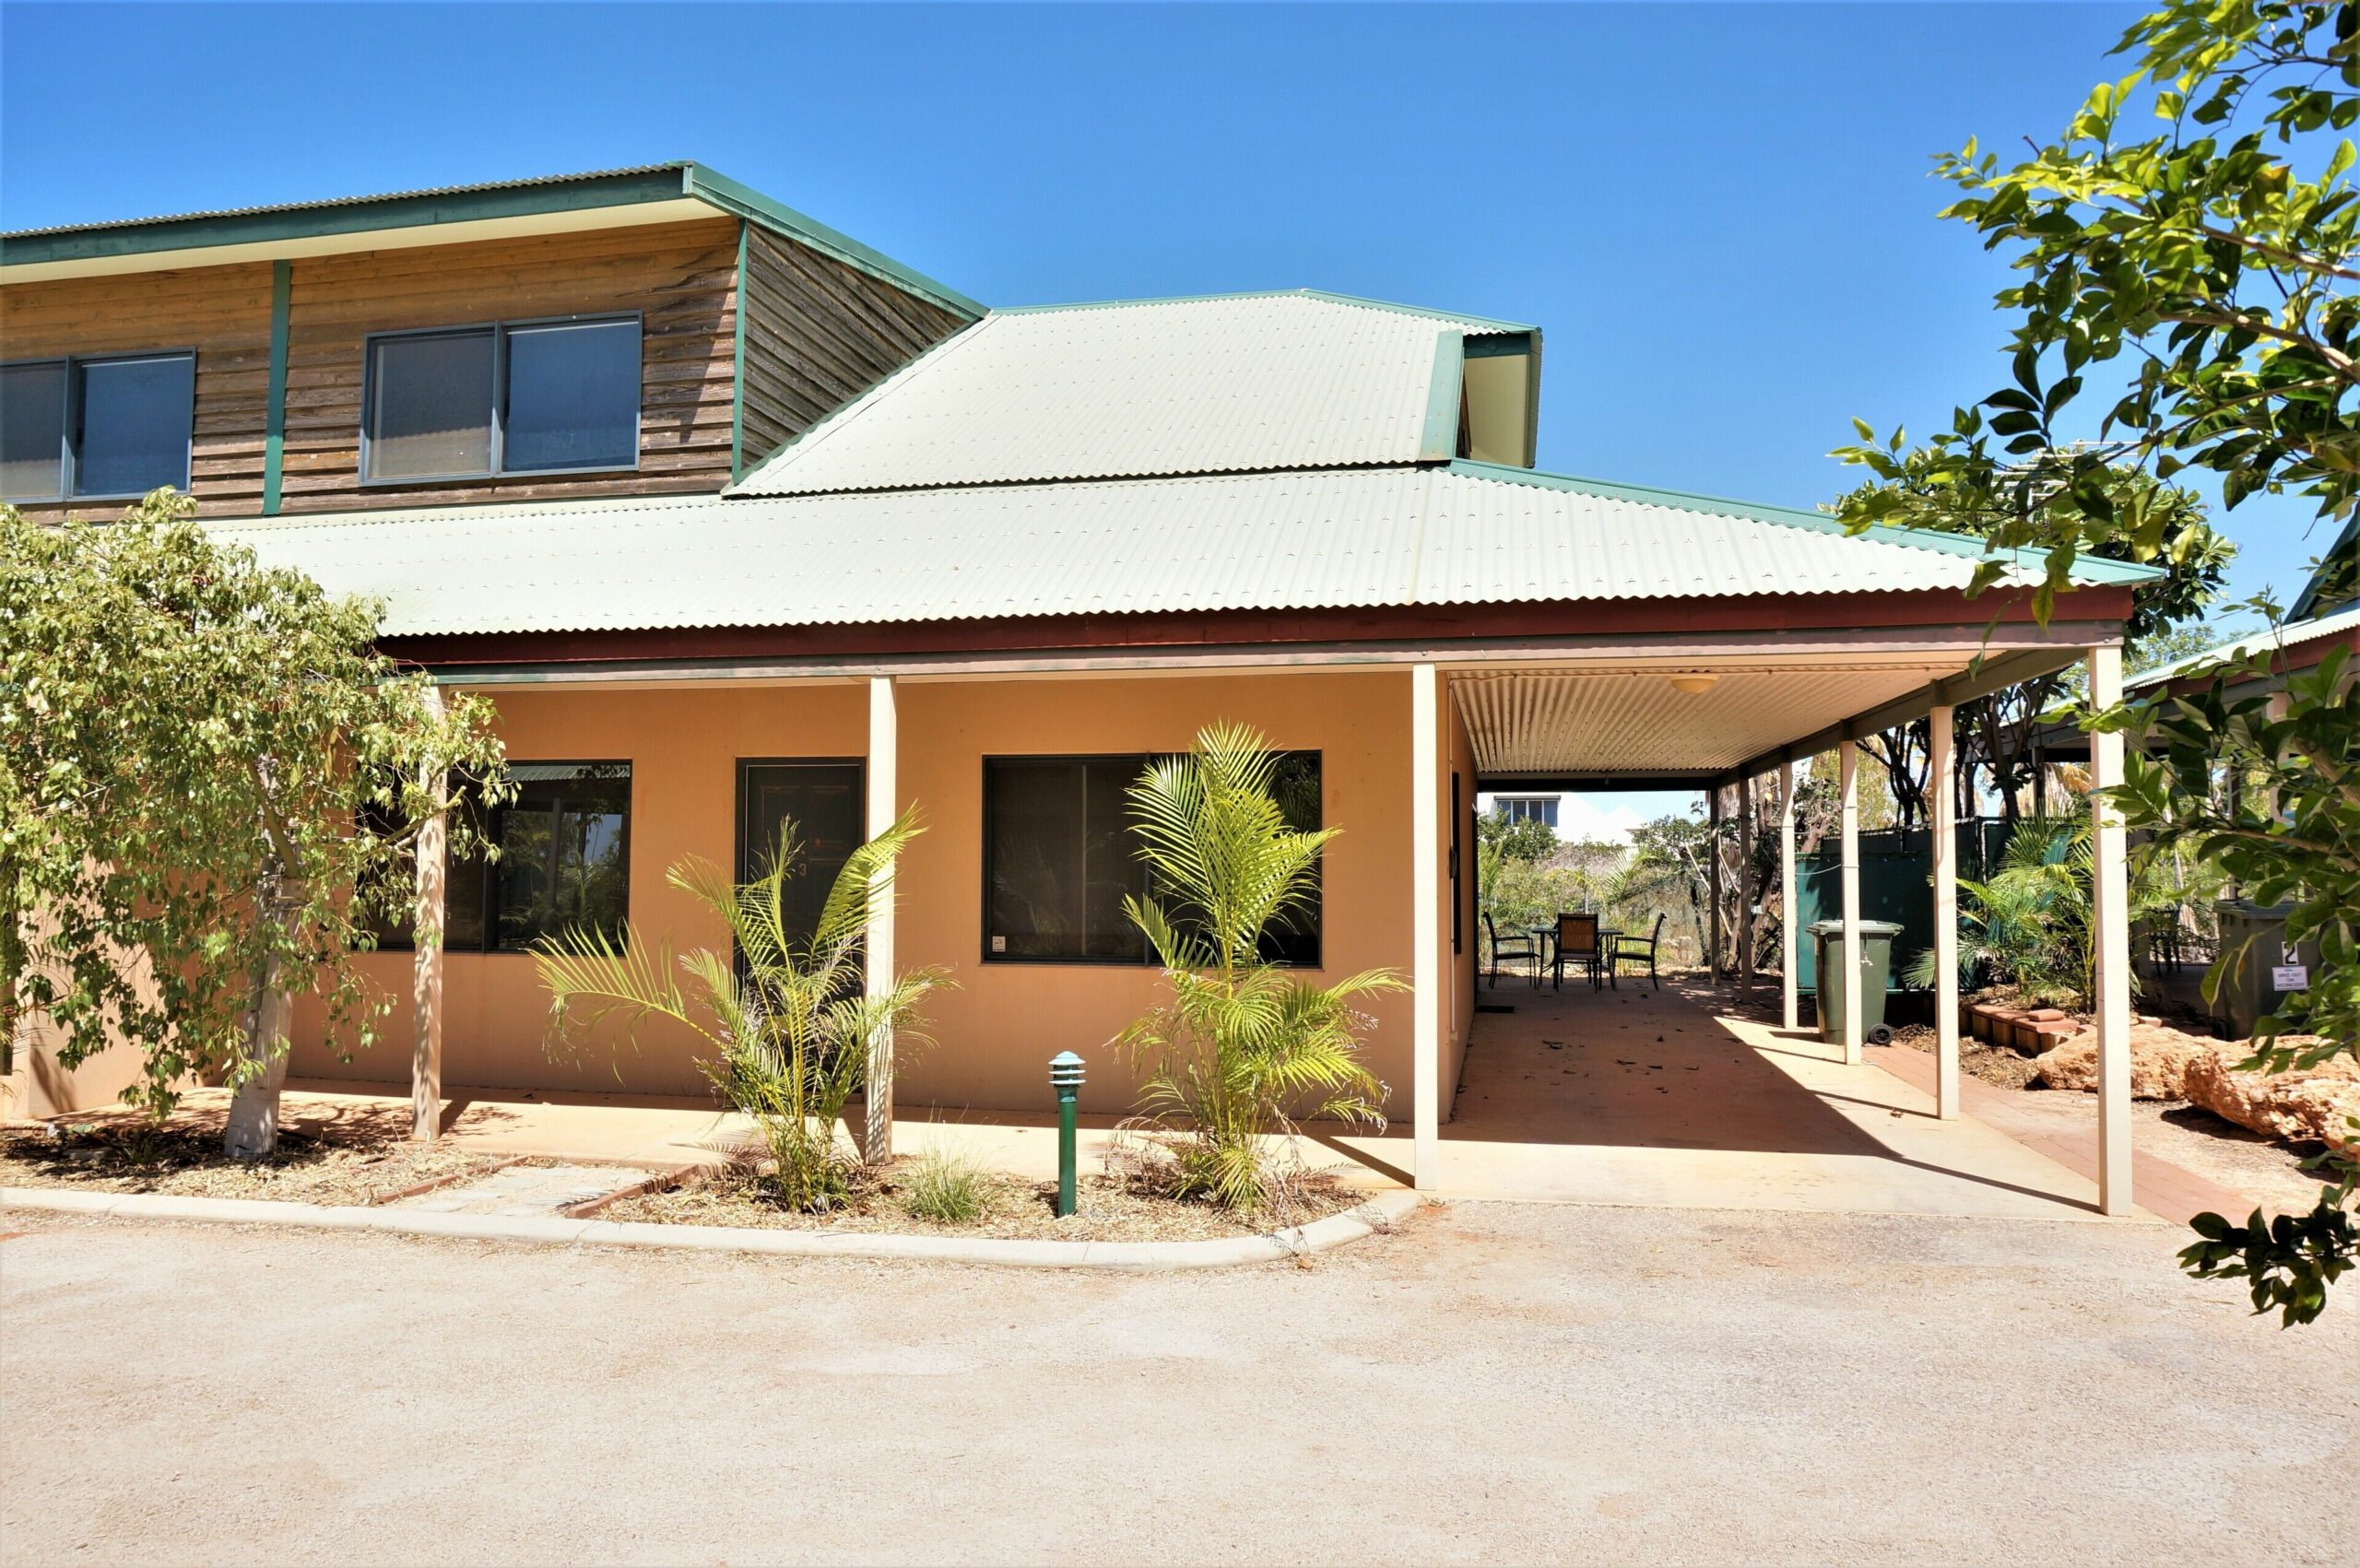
(2307, 1106)
(2160, 1059)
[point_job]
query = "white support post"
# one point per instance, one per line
(877, 957)
(1790, 917)
(1426, 923)
(2110, 915)
(1854, 1019)
(1945, 808)
(1713, 880)
(426, 965)
(1745, 888)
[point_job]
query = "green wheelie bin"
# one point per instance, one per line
(1876, 977)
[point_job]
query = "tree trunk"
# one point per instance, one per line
(252, 1132)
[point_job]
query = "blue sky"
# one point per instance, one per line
(1720, 215)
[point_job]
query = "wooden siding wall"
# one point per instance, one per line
(819, 334)
(682, 277)
(221, 311)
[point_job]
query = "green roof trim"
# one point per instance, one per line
(2334, 564)
(678, 180)
(2093, 570)
(717, 189)
(1446, 395)
(1461, 319)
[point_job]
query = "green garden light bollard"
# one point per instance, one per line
(1064, 1075)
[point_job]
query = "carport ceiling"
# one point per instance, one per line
(1557, 723)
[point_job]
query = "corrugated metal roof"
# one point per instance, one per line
(2292, 634)
(1233, 383)
(527, 183)
(1348, 538)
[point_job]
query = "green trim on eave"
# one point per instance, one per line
(355, 215)
(717, 189)
(274, 438)
(737, 365)
(2088, 569)
(1444, 393)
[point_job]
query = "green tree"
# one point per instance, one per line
(788, 1024)
(210, 783)
(2196, 284)
(1526, 838)
(1242, 1043)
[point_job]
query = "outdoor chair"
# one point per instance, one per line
(1638, 949)
(1578, 945)
(1520, 948)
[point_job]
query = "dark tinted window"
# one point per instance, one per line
(564, 861)
(572, 396)
(136, 415)
(429, 405)
(1060, 858)
(33, 429)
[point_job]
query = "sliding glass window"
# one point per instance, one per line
(510, 397)
(109, 428)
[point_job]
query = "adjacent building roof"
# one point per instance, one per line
(2297, 640)
(1455, 534)
(1222, 384)
(645, 192)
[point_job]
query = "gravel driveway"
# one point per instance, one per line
(1493, 1382)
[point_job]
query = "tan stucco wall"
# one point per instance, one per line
(995, 1035)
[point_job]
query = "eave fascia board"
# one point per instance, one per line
(717, 190)
(2088, 571)
(100, 244)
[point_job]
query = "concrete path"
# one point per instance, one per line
(527, 1191)
(1495, 1383)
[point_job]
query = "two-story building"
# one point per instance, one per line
(736, 519)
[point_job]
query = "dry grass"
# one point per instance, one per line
(1110, 1209)
(123, 1154)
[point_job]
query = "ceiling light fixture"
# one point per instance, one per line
(1694, 685)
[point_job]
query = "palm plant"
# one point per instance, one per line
(1244, 1044)
(788, 1025)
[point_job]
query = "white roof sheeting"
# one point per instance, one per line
(1350, 537)
(1233, 383)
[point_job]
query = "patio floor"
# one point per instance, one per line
(1672, 1099)
(1632, 1096)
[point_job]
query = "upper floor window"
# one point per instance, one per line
(512, 397)
(1529, 808)
(108, 429)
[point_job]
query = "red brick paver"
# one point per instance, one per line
(2168, 1191)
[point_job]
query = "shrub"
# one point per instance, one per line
(1242, 1044)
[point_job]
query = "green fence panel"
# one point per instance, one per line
(1896, 884)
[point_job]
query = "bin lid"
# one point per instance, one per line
(1885, 928)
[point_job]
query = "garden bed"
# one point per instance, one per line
(1110, 1209)
(122, 1154)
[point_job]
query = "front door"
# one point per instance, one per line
(824, 801)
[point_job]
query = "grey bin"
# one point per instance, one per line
(2253, 944)
(1876, 972)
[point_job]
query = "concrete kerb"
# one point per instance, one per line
(1321, 1235)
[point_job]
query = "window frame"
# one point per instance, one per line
(500, 331)
(70, 421)
(1147, 959)
(488, 896)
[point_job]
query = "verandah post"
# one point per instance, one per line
(877, 956)
(1745, 887)
(1855, 1016)
(2110, 918)
(1790, 982)
(1425, 922)
(1945, 806)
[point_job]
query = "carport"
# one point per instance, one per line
(1547, 1106)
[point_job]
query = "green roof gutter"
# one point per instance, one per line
(2089, 571)
(718, 190)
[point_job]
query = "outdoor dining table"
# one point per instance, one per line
(1544, 937)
